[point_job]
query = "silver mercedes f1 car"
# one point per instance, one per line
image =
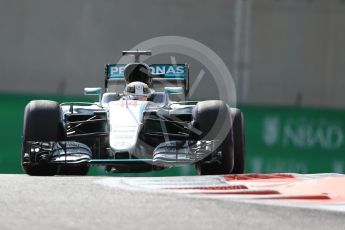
(138, 124)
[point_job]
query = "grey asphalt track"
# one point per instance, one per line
(82, 203)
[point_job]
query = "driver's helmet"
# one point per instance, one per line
(137, 91)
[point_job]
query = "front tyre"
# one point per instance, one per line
(42, 123)
(213, 119)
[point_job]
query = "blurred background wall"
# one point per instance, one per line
(280, 53)
(288, 52)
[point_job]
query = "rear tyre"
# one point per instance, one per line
(213, 119)
(239, 141)
(42, 123)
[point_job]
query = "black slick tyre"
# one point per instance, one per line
(42, 123)
(213, 119)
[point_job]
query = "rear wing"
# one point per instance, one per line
(163, 75)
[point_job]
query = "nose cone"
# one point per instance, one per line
(125, 120)
(124, 138)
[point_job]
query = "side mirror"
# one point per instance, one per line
(97, 91)
(173, 90)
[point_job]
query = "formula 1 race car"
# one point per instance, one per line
(141, 129)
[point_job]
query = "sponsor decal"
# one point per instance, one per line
(123, 132)
(116, 71)
(270, 130)
(168, 70)
(303, 133)
(139, 89)
(122, 103)
(306, 133)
